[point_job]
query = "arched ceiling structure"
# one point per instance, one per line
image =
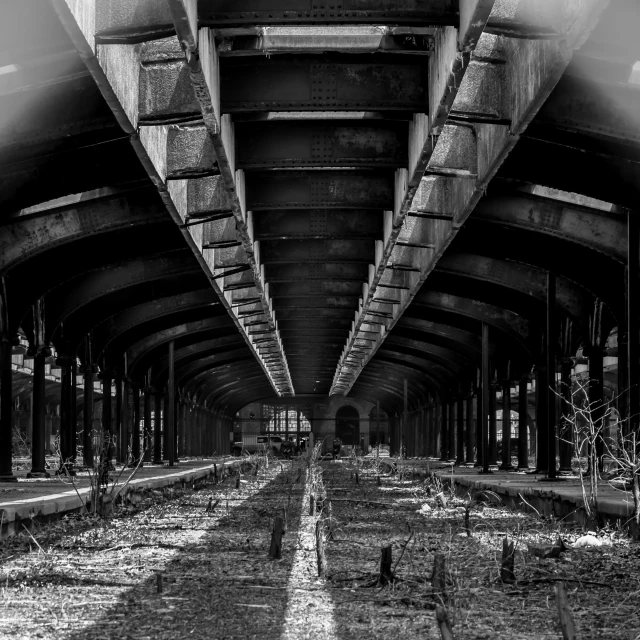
(330, 199)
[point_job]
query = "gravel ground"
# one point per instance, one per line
(89, 579)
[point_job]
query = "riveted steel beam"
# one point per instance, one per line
(317, 144)
(319, 190)
(226, 13)
(292, 251)
(90, 286)
(317, 224)
(311, 84)
(572, 300)
(140, 354)
(114, 326)
(300, 40)
(571, 222)
(38, 229)
(345, 272)
(576, 163)
(467, 155)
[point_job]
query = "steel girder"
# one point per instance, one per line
(113, 327)
(102, 286)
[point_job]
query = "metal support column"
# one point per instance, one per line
(121, 452)
(493, 424)
(451, 447)
(444, 424)
(566, 434)
(460, 432)
(87, 415)
(549, 390)
(135, 424)
(596, 397)
(157, 430)
(6, 411)
(633, 322)
(169, 434)
(107, 428)
(38, 400)
(523, 422)
(64, 362)
(405, 418)
(471, 436)
(506, 427)
(484, 417)
(147, 439)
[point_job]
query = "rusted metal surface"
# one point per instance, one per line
(252, 12)
(314, 84)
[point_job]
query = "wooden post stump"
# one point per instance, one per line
(378, 481)
(322, 560)
(215, 473)
(438, 579)
(386, 561)
(159, 582)
(566, 620)
(507, 573)
(444, 624)
(275, 550)
(467, 524)
(238, 480)
(357, 478)
(312, 505)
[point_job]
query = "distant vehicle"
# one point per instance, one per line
(257, 444)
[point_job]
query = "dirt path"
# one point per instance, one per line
(93, 580)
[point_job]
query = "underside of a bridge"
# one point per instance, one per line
(206, 204)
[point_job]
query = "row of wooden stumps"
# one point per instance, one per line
(439, 586)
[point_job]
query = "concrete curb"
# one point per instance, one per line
(18, 513)
(564, 505)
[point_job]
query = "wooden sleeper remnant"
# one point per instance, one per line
(507, 573)
(275, 550)
(566, 620)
